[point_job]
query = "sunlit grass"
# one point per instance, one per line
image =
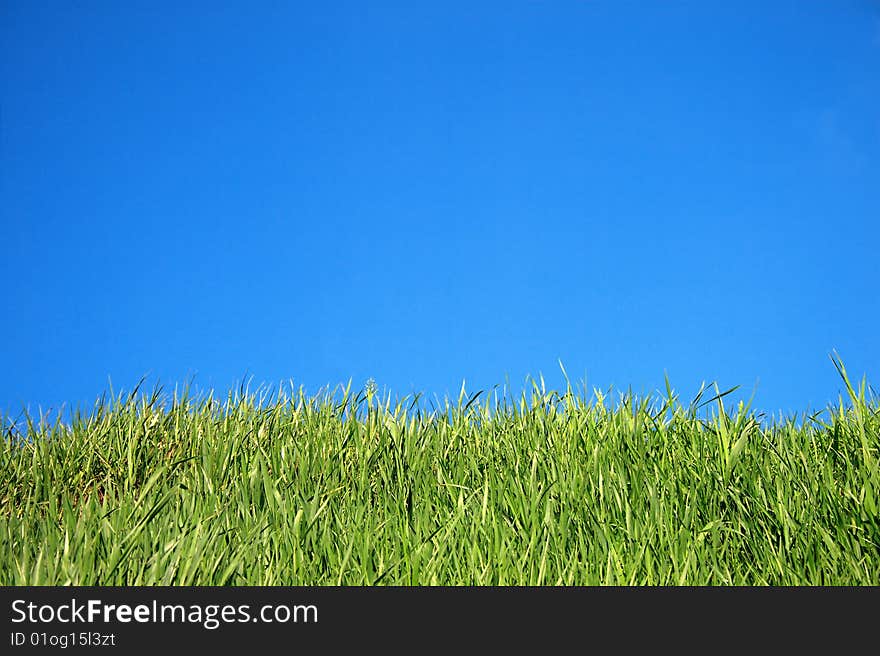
(548, 488)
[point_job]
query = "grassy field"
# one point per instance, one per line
(549, 488)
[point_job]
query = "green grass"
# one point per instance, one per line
(549, 488)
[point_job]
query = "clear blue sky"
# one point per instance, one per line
(428, 192)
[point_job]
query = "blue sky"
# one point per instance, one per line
(423, 193)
